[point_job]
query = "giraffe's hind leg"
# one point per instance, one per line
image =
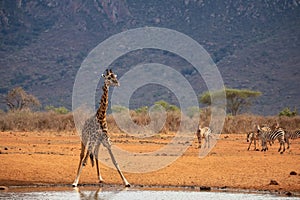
(92, 159)
(80, 166)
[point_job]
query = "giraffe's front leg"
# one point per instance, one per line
(107, 144)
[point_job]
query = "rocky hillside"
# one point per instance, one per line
(255, 44)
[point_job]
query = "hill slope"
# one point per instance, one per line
(255, 44)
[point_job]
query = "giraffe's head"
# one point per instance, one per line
(110, 79)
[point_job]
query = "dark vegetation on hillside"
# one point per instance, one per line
(255, 45)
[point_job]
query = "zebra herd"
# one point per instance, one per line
(269, 135)
(265, 134)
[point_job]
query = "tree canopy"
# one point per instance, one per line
(237, 99)
(166, 106)
(18, 99)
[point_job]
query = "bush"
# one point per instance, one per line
(165, 105)
(36, 121)
(143, 109)
(288, 113)
(52, 121)
(118, 109)
(58, 110)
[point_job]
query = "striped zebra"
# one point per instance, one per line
(265, 128)
(270, 136)
(203, 133)
(291, 135)
(252, 136)
(268, 129)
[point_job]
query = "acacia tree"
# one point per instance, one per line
(166, 105)
(237, 100)
(18, 99)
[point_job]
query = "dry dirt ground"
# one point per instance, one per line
(33, 158)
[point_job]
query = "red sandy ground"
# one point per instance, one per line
(33, 158)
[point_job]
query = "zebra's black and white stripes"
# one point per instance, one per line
(270, 136)
(291, 135)
(253, 136)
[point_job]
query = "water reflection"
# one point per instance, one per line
(100, 193)
(93, 193)
(91, 196)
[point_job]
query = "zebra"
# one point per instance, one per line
(291, 135)
(288, 134)
(268, 129)
(252, 136)
(265, 128)
(268, 136)
(203, 133)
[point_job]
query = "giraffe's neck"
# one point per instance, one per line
(101, 112)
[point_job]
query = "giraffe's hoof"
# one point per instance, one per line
(127, 185)
(74, 185)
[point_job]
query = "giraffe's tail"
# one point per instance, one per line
(92, 159)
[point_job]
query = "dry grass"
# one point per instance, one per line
(41, 121)
(246, 123)
(36, 121)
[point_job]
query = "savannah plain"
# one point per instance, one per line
(43, 157)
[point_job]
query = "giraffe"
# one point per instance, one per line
(95, 133)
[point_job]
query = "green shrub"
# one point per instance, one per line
(168, 107)
(143, 109)
(118, 109)
(58, 110)
(287, 112)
